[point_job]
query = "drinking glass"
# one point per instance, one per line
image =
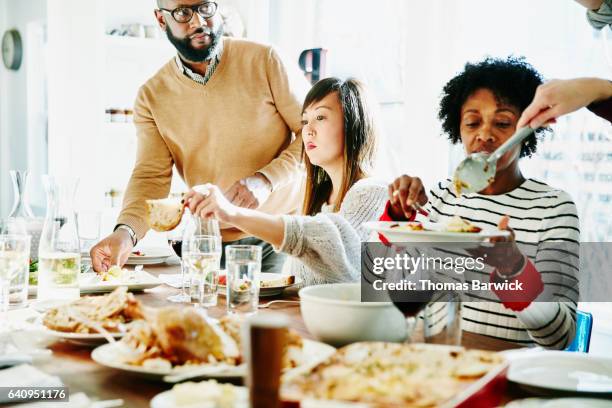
(179, 238)
(14, 264)
(89, 230)
(203, 260)
(243, 264)
(442, 319)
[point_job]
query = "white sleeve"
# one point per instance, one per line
(552, 324)
(329, 245)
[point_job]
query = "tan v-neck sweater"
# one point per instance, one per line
(239, 123)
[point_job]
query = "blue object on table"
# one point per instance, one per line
(584, 326)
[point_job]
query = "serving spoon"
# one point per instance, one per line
(477, 170)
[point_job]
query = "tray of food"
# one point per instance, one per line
(378, 374)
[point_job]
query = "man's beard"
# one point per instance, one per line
(187, 51)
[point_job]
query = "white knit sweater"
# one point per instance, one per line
(326, 248)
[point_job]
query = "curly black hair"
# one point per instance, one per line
(513, 81)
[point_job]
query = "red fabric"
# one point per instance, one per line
(532, 287)
(387, 216)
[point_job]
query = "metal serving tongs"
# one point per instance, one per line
(477, 170)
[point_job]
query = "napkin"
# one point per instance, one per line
(174, 280)
(25, 375)
(78, 400)
(11, 356)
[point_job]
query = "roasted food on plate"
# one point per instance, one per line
(173, 336)
(112, 312)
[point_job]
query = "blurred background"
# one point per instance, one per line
(67, 109)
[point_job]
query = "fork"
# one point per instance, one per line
(133, 274)
(267, 305)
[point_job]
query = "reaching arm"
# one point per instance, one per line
(590, 4)
(152, 172)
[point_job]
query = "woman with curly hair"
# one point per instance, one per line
(480, 108)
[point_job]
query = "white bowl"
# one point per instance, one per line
(334, 314)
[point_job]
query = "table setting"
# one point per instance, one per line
(197, 335)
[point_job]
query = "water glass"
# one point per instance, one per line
(442, 320)
(14, 268)
(243, 265)
(88, 224)
(203, 261)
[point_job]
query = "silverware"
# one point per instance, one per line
(477, 170)
(267, 305)
(198, 372)
(134, 273)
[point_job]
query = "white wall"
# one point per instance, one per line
(14, 126)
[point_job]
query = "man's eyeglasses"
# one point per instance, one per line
(184, 14)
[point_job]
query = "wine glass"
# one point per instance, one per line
(175, 240)
(410, 303)
(179, 239)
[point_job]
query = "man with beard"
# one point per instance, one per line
(222, 111)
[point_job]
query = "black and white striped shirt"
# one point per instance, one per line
(539, 215)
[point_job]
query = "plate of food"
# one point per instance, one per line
(456, 230)
(91, 320)
(133, 280)
(270, 284)
(204, 393)
(175, 343)
(148, 256)
(548, 371)
(380, 374)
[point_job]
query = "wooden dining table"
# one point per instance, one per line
(73, 364)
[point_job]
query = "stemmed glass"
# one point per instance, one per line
(179, 240)
(410, 305)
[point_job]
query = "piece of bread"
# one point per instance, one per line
(164, 214)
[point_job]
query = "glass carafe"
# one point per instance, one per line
(21, 207)
(59, 256)
(21, 210)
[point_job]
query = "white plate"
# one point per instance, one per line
(113, 356)
(81, 339)
(269, 291)
(166, 399)
(563, 371)
(91, 282)
(152, 256)
(560, 403)
(430, 234)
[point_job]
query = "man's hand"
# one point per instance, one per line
(404, 193)
(250, 192)
(558, 97)
(112, 250)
